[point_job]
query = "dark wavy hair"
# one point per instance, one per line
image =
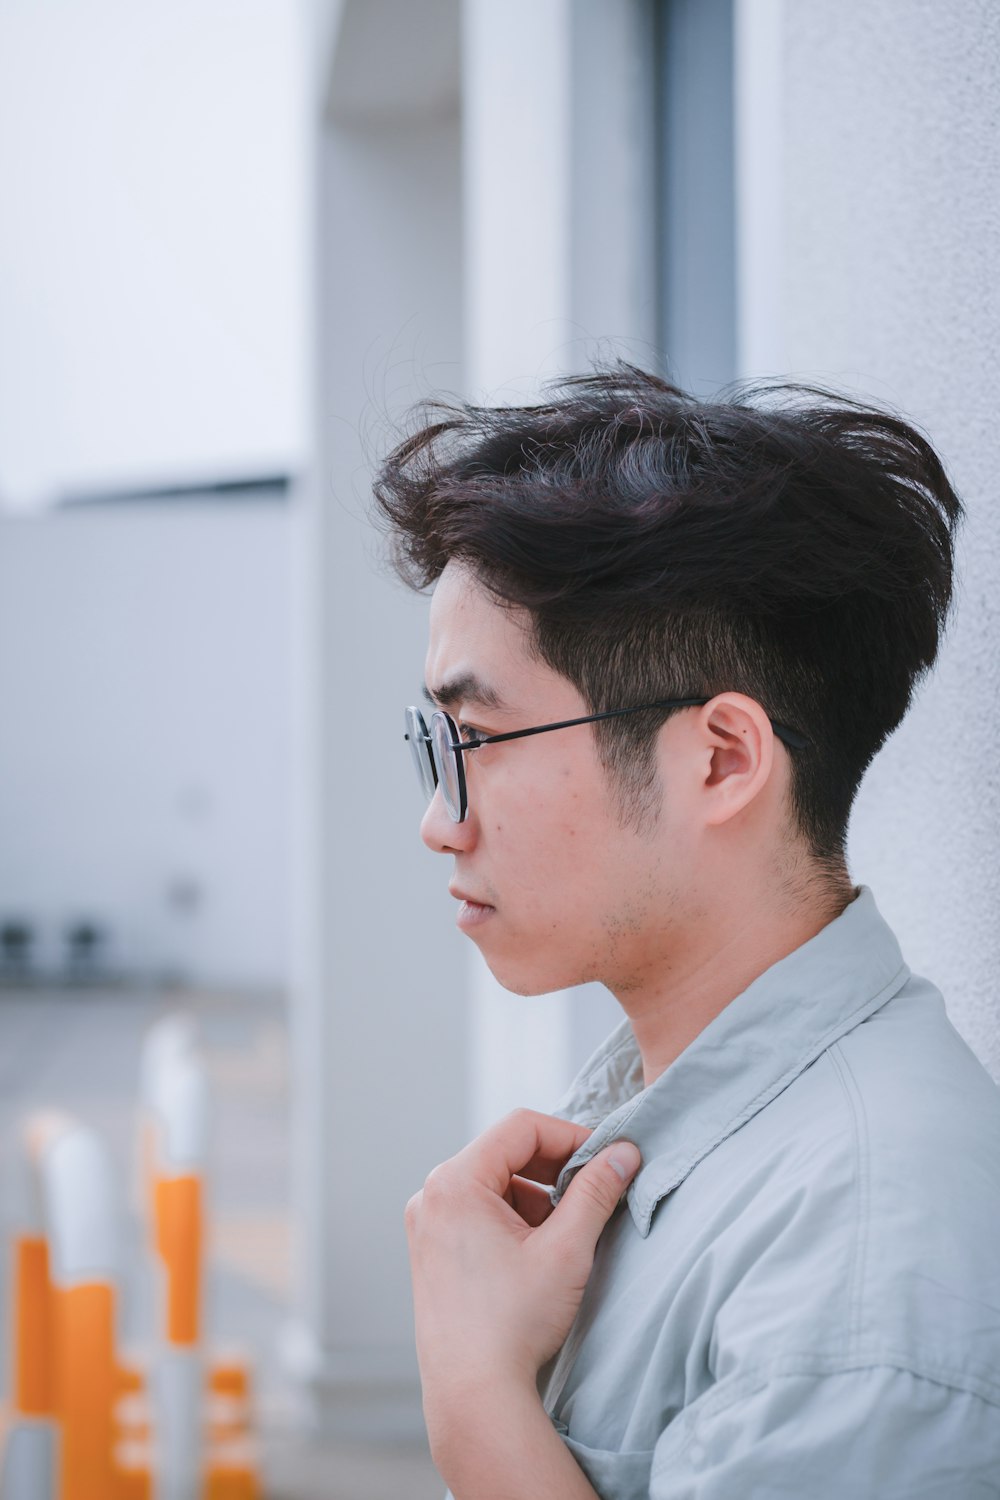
(782, 541)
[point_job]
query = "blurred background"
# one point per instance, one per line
(238, 239)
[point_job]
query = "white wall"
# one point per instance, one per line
(151, 289)
(144, 688)
(875, 184)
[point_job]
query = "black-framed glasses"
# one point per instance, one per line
(438, 751)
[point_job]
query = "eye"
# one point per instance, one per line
(470, 736)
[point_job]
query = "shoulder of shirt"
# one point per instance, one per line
(854, 1221)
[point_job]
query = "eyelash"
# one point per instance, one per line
(469, 735)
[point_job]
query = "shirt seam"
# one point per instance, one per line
(791, 1367)
(862, 1166)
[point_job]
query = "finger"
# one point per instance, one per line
(530, 1201)
(527, 1143)
(592, 1197)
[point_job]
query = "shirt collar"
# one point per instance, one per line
(748, 1054)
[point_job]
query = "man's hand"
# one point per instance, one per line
(498, 1273)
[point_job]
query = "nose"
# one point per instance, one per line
(441, 833)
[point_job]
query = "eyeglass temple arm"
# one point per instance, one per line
(612, 713)
(790, 736)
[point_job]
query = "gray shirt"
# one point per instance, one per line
(800, 1293)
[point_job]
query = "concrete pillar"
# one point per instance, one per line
(380, 999)
(559, 258)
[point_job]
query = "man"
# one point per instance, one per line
(667, 638)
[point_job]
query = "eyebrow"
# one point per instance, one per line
(465, 688)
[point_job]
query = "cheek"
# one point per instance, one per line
(566, 857)
(547, 824)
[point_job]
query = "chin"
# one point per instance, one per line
(520, 977)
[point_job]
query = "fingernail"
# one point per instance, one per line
(625, 1159)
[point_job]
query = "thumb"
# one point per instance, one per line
(594, 1193)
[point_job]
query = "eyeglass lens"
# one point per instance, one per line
(448, 764)
(420, 750)
(435, 761)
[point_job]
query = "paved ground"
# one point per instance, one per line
(78, 1050)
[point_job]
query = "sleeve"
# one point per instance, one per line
(873, 1432)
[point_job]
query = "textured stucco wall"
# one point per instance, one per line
(891, 256)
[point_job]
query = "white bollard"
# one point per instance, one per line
(176, 1110)
(27, 1469)
(202, 1406)
(81, 1216)
(169, 1040)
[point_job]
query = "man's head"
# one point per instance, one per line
(785, 554)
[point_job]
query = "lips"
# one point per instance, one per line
(469, 900)
(472, 915)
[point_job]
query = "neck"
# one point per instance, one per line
(713, 959)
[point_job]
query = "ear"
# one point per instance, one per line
(739, 746)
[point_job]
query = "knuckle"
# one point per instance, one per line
(437, 1187)
(412, 1210)
(521, 1124)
